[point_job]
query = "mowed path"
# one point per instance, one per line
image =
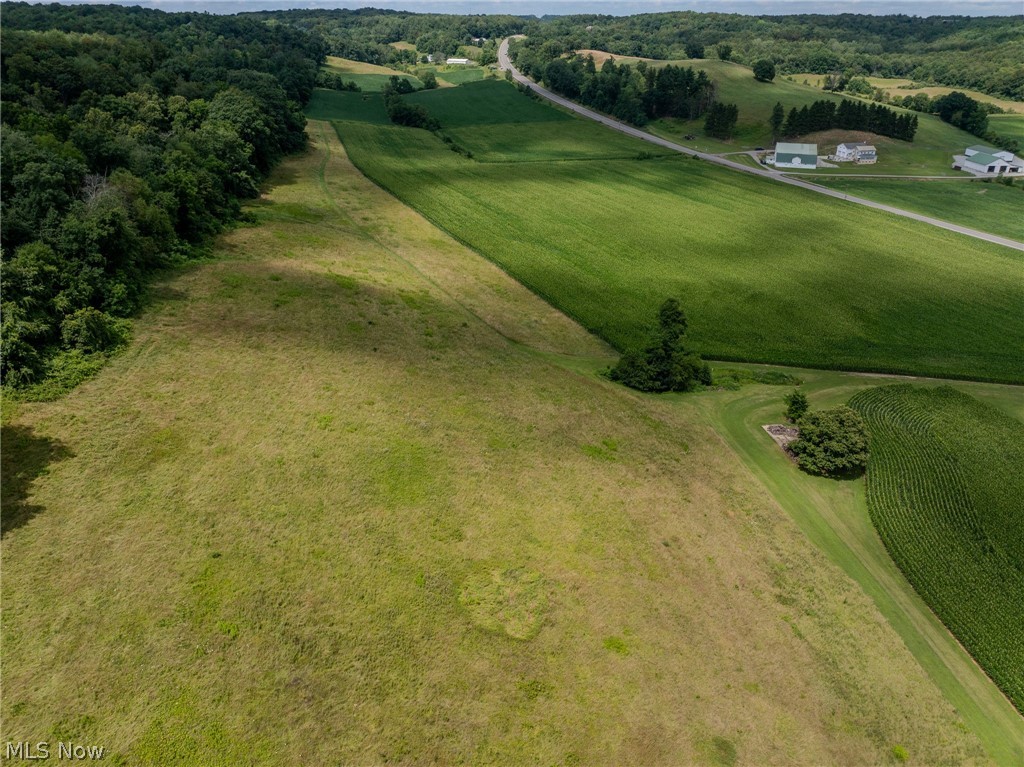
(506, 64)
(321, 512)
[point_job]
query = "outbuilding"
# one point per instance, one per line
(457, 61)
(980, 159)
(796, 155)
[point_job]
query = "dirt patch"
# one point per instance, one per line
(782, 434)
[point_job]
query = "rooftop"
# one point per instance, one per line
(982, 148)
(984, 159)
(796, 148)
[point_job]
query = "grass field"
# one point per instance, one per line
(369, 77)
(944, 489)
(990, 207)
(344, 105)
(1009, 126)
(931, 152)
(353, 495)
(834, 515)
(898, 88)
(829, 285)
(460, 75)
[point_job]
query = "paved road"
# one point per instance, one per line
(505, 64)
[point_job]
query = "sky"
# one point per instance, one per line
(611, 7)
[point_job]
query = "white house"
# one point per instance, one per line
(982, 159)
(796, 155)
(457, 61)
(862, 154)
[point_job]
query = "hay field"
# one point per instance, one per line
(353, 495)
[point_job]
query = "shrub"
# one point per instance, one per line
(796, 405)
(832, 442)
(90, 330)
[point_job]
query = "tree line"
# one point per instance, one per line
(847, 115)
(982, 53)
(129, 136)
(635, 94)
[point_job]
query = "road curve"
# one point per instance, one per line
(505, 64)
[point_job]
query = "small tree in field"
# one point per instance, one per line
(663, 364)
(832, 442)
(429, 80)
(796, 405)
(764, 70)
(724, 51)
(777, 118)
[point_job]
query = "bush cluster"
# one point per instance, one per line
(664, 364)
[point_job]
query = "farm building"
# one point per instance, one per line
(457, 61)
(796, 155)
(986, 159)
(862, 154)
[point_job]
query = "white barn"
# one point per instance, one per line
(985, 159)
(862, 154)
(457, 61)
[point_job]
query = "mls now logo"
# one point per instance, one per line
(34, 751)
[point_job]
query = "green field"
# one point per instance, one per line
(344, 105)
(478, 117)
(1009, 126)
(355, 496)
(988, 206)
(944, 489)
(897, 88)
(460, 75)
(826, 284)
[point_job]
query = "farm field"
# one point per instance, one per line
(944, 491)
(369, 77)
(353, 494)
(990, 207)
(931, 152)
(344, 105)
(868, 291)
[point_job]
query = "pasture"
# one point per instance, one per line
(353, 495)
(369, 77)
(988, 206)
(944, 490)
(766, 272)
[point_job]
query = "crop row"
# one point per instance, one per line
(954, 537)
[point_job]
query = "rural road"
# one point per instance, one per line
(505, 64)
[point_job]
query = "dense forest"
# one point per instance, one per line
(986, 54)
(366, 34)
(129, 136)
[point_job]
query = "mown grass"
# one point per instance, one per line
(766, 273)
(1009, 126)
(835, 516)
(944, 489)
(988, 206)
(333, 506)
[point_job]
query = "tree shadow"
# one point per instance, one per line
(24, 457)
